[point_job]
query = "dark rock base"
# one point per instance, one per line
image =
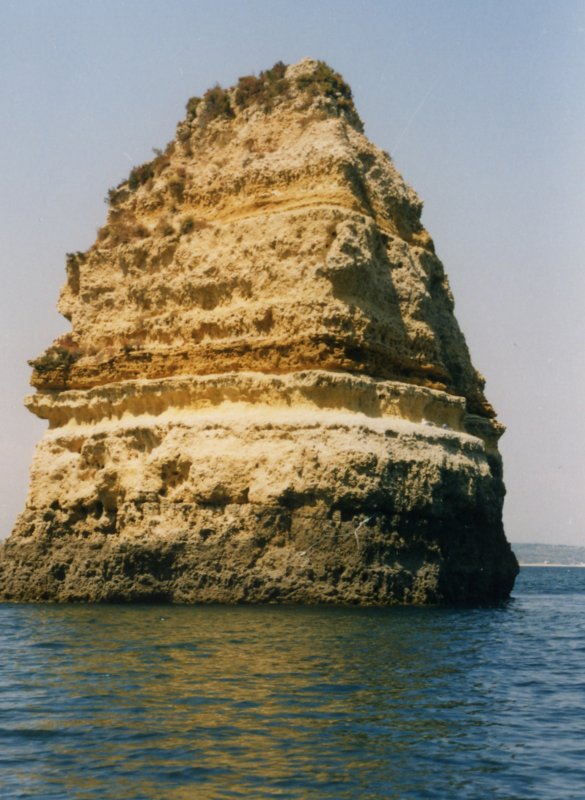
(243, 554)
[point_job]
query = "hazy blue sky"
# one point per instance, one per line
(480, 103)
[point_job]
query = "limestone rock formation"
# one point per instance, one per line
(265, 395)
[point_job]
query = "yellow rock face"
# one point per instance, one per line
(263, 361)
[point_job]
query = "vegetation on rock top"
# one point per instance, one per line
(262, 91)
(324, 81)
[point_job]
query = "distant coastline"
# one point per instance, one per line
(523, 565)
(549, 555)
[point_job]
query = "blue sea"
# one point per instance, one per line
(175, 703)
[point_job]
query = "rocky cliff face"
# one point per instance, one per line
(265, 395)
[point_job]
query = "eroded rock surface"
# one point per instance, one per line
(265, 395)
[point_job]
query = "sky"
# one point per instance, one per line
(481, 104)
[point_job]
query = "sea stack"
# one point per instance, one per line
(264, 395)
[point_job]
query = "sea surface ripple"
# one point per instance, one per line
(175, 703)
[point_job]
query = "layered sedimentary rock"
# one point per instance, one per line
(264, 395)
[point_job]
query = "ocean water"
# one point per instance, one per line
(173, 703)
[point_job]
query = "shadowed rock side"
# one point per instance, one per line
(265, 395)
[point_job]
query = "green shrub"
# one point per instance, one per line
(116, 194)
(55, 358)
(192, 106)
(140, 175)
(262, 89)
(72, 264)
(216, 103)
(325, 82)
(123, 230)
(74, 259)
(276, 73)
(249, 89)
(184, 133)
